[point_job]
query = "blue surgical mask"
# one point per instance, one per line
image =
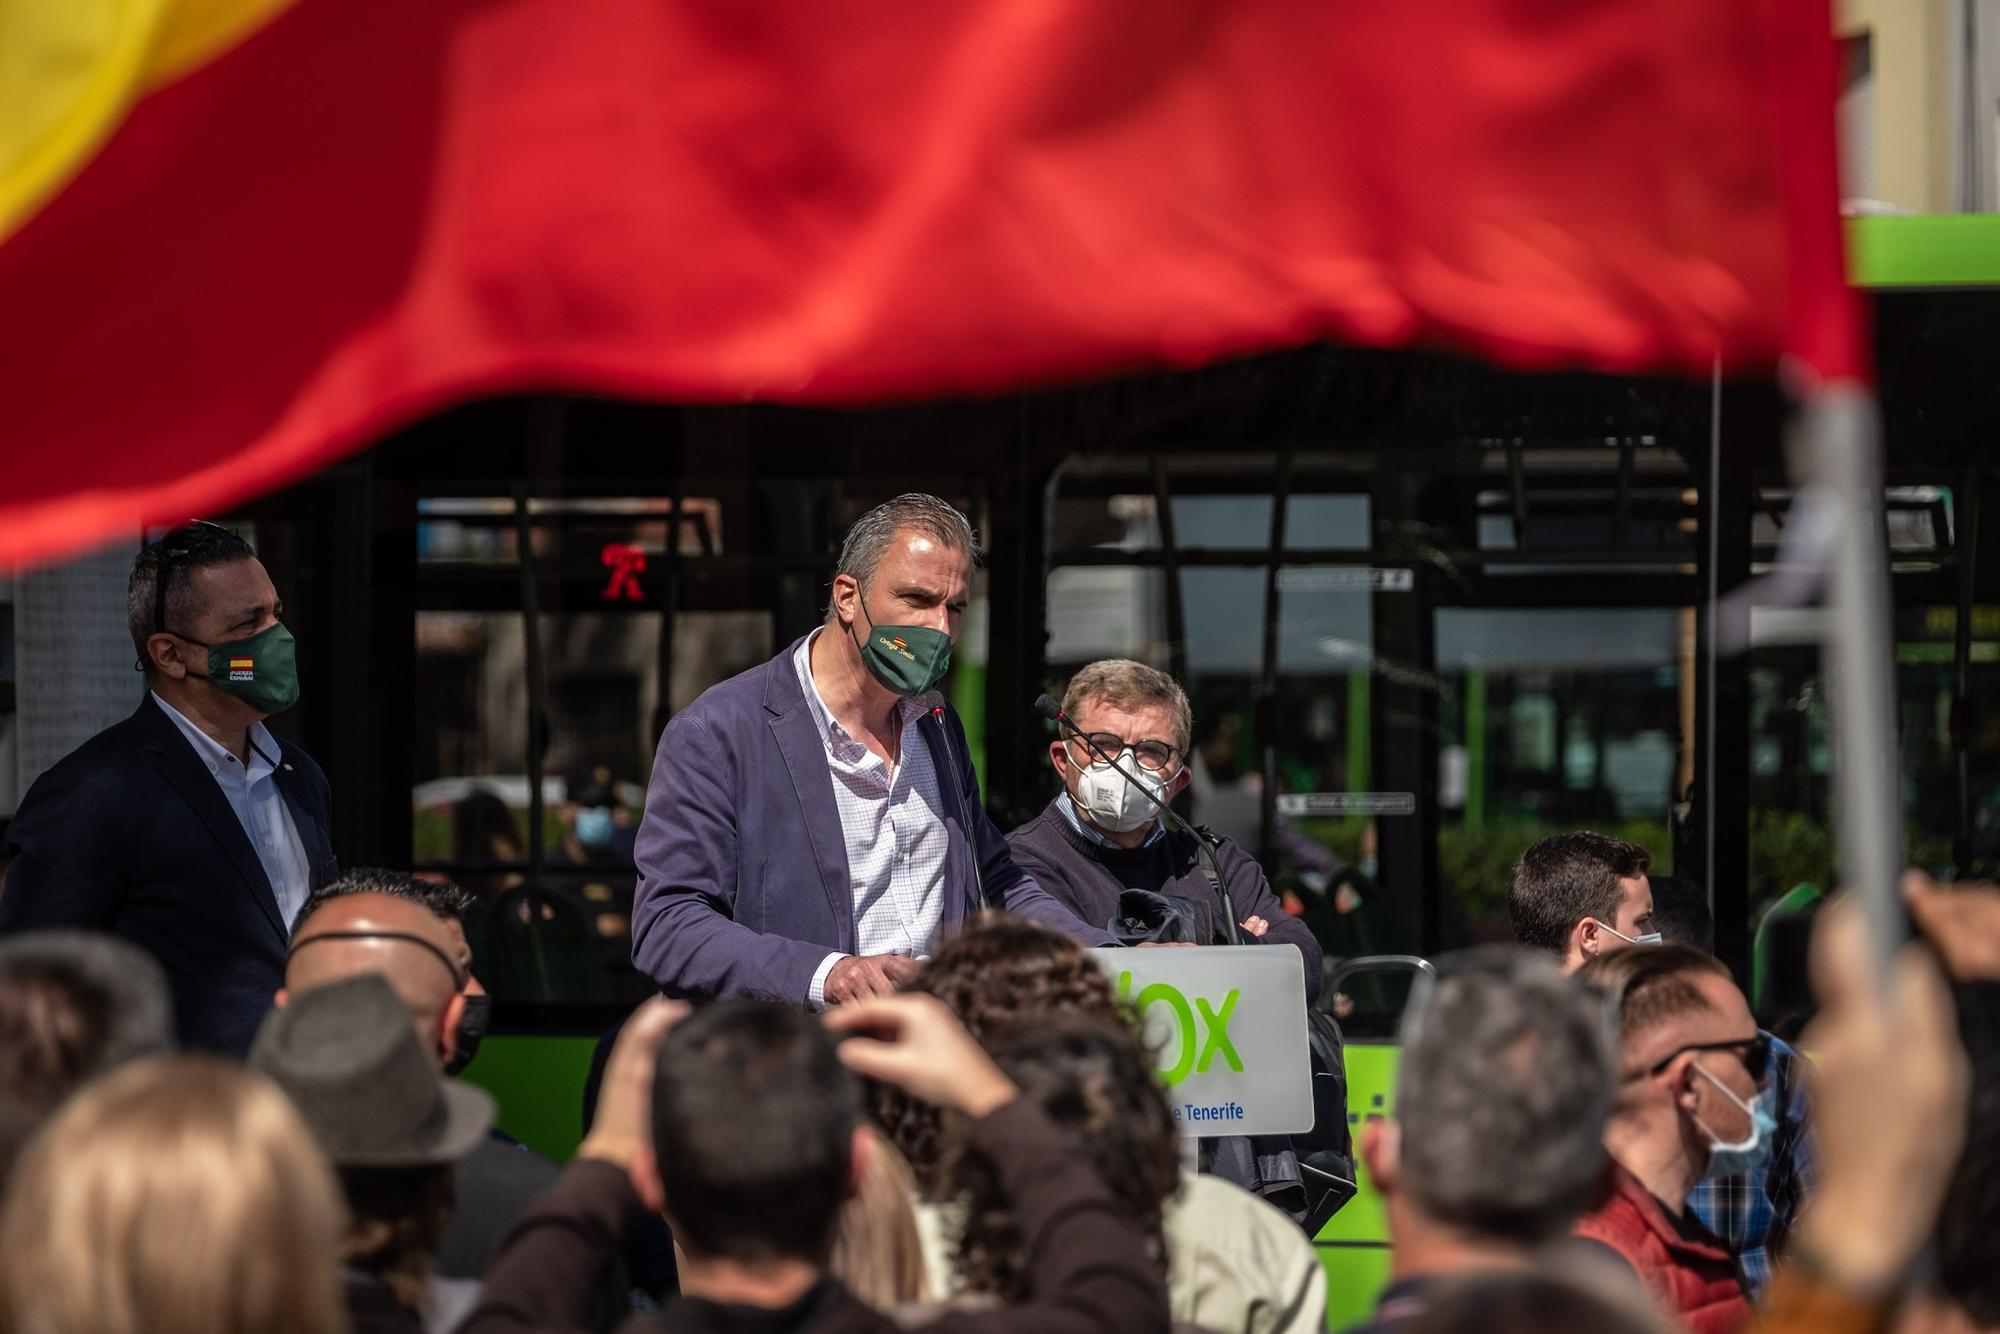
(1650, 938)
(593, 826)
(1726, 1159)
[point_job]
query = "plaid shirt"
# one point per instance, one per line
(893, 824)
(1754, 1211)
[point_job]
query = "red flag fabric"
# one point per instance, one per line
(370, 209)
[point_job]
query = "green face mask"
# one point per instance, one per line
(262, 671)
(908, 659)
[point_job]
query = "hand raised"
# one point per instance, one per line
(1888, 1104)
(916, 1043)
(623, 1126)
(1962, 923)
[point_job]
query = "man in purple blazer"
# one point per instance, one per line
(802, 839)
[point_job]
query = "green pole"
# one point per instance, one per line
(968, 697)
(1475, 749)
(1357, 731)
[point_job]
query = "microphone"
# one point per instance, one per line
(1204, 842)
(934, 701)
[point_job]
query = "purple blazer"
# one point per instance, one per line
(743, 885)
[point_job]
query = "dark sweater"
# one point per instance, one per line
(1087, 1264)
(1087, 878)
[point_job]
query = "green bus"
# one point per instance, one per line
(1427, 611)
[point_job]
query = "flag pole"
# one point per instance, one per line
(1837, 449)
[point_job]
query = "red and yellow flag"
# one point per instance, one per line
(244, 237)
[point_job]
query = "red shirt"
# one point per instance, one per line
(1686, 1265)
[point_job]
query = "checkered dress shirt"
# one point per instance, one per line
(1754, 1211)
(893, 821)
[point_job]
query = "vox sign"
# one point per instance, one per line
(1229, 1024)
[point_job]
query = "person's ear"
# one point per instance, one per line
(1585, 941)
(1382, 1153)
(164, 652)
(1059, 757)
(283, 998)
(860, 1158)
(1686, 1096)
(1179, 783)
(846, 592)
(645, 1174)
(447, 1038)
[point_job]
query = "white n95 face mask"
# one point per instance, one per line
(1113, 801)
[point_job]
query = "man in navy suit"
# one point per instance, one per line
(812, 825)
(188, 829)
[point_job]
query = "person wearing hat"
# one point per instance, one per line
(393, 1127)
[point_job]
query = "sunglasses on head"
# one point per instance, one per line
(187, 539)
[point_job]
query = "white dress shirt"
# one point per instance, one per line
(252, 792)
(893, 821)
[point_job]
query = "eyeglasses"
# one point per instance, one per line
(189, 538)
(1753, 1051)
(1153, 756)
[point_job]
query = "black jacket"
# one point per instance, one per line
(130, 833)
(1088, 879)
(1088, 1268)
(496, 1183)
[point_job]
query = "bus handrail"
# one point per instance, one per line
(1376, 963)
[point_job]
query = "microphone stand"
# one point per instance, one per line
(1204, 842)
(934, 701)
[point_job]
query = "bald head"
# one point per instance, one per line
(380, 933)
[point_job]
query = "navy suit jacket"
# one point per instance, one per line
(130, 833)
(743, 882)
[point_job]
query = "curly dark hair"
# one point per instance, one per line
(1095, 1080)
(999, 974)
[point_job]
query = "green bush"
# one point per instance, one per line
(1474, 865)
(1786, 849)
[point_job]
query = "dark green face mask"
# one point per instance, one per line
(262, 671)
(908, 659)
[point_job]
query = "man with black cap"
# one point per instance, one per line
(346, 1055)
(187, 829)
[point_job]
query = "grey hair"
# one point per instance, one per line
(868, 540)
(1508, 1072)
(1125, 684)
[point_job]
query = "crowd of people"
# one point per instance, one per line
(887, 1084)
(988, 1148)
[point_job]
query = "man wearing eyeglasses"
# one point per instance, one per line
(1100, 847)
(1687, 1109)
(188, 828)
